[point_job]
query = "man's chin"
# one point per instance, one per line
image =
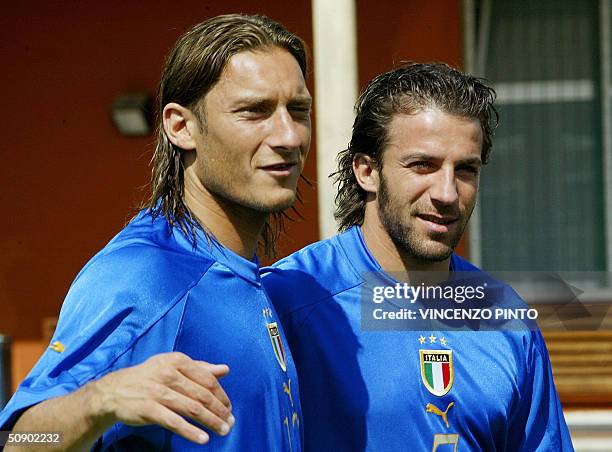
(436, 257)
(432, 251)
(277, 205)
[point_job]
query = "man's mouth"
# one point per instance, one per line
(438, 223)
(438, 219)
(280, 169)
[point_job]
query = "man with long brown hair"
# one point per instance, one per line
(180, 283)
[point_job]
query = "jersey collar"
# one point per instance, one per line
(246, 269)
(208, 246)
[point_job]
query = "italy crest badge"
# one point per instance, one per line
(437, 371)
(277, 345)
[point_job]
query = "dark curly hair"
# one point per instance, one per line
(410, 88)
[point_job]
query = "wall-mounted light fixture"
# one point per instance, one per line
(132, 114)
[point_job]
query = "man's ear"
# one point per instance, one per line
(180, 125)
(366, 172)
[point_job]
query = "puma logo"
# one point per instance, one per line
(431, 408)
(287, 390)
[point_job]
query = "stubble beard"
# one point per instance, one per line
(256, 205)
(221, 188)
(398, 225)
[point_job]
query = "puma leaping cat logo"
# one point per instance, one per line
(431, 408)
(287, 390)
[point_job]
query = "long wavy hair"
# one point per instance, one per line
(191, 70)
(410, 88)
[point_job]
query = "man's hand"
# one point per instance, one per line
(161, 391)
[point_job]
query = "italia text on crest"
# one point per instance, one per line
(437, 371)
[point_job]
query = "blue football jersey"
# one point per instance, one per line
(150, 291)
(406, 390)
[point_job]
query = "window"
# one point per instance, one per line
(543, 194)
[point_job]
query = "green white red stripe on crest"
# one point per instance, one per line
(437, 370)
(277, 345)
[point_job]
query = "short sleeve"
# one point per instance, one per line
(123, 308)
(539, 424)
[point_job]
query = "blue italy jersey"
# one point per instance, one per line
(400, 390)
(149, 291)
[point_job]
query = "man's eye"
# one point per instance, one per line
(256, 109)
(253, 111)
(472, 170)
(300, 112)
(421, 165)
(305, 110)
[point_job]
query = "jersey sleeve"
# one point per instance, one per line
(121, 309)
(539, 424)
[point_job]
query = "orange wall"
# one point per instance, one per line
(69, 180)
(389, 31)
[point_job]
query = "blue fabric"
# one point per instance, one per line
(149, 291)
(363, 390)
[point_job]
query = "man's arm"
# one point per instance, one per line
(539, 424)
(159, 391)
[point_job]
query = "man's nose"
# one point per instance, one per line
(444, 187)
(285, 131)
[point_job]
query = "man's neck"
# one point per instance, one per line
(235, 227)
(388, 255)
